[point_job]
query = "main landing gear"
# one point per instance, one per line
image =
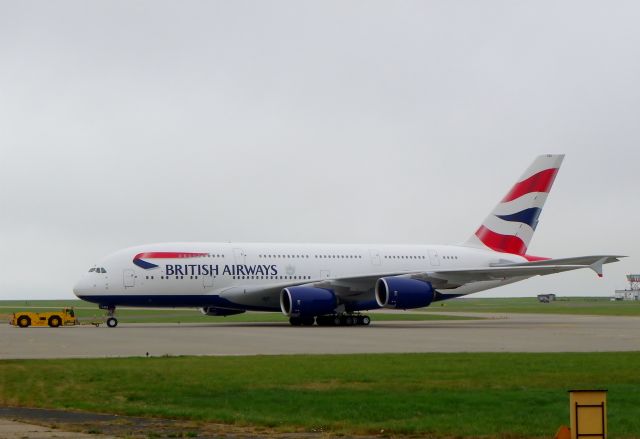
(112, 322)
(332, 320)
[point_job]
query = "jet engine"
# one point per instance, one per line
(403, 293)
(213, 311)
(307, 301)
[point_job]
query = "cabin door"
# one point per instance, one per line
(375, 257)
(239, 256)
(128, 278)
(434, 258)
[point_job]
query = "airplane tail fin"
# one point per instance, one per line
(511, 224)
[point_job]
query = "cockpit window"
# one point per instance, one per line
(102, 270)
(91, 270)
(97, 270)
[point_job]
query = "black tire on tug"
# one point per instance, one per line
(24, 322)
(54, 321)
(112, 322)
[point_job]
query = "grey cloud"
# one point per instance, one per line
(391, 122)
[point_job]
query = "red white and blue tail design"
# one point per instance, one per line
(510, 226)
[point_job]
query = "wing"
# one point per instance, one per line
(361, 287)
(455, 277)
(446, 279)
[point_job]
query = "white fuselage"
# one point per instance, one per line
(246, 275)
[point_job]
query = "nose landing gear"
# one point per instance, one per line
(112, 321)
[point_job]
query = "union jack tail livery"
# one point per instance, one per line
(510, 226)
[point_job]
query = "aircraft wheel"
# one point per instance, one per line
(295, 321)
(308, 321)
(337, 321)
(349, 321)
(365, 320)
(24, 322)
(112, 322)
(54, 321)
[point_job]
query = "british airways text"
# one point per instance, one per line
(210, 270)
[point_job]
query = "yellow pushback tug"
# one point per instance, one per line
(24, 319)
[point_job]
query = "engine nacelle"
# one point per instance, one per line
(307, 301)
(213, 311)
(403, 293)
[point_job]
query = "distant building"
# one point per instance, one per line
(633, 293)
(546, 298)
(627, 295)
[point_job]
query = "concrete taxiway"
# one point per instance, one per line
(18, 430)
(497, 333)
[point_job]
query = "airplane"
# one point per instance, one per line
(330, 284)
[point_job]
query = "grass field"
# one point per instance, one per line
(441, 395)
(573, 305)
(563, 305)
(86, 312)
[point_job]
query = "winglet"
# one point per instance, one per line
(597, 266)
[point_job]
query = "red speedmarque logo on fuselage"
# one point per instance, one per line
(139, 259)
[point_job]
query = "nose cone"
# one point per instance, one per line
(82, 287)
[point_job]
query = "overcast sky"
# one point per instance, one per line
(132, 122)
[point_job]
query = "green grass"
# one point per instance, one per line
(441, 395)
(563, 305)
(572, 305)
(87, 312)
(19, 304)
